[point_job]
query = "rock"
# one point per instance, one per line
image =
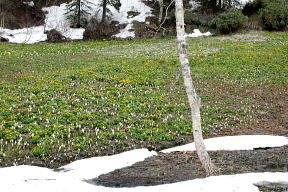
(55, 36)
(3, 39)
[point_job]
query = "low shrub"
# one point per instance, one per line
(98, 30)
(55, 36)
(274, 15)
(197, 21)
(254, 23)
(229, 21)
(142, 30)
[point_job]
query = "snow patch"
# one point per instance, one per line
(93, 167)
(70, 179)
(58, 183)
(242, 142)
(198, 33)
(243, 2)
(26, 35)
(29, 3)
(122, 16)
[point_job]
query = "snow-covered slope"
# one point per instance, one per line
(55, 19)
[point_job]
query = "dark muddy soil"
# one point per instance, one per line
(181, 166)
(267, 106)
(273, 189)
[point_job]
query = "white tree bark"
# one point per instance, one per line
(160, 10)
(193, 98)
(2, 23)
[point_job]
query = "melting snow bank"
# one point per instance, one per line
(230, 143)
(33, 179)
(26, 35)
(56, 19)
(69, 178)
(93, 167)
(123, 18)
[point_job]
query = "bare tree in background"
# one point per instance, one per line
(193, 98)
(161, 7)
(104, 3)
(2, 14)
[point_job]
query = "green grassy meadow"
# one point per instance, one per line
(65, 101)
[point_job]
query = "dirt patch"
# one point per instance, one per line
(266, 109)
(268, 189)
(182, 166)
(272, 187)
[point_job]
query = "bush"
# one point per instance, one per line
(198, 19)
(142, 30)
(229, 21)
(98, 30)
(274, 15)
(55, 36)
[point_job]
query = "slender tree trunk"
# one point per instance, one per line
(2, 16)
(161, 5)
(79, 14)
(193, 98)
(104, 11)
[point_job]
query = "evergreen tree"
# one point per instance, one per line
(115, 3)
(77, 11)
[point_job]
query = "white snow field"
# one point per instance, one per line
(71, 177)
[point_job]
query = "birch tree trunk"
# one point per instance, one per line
(161, 5)
(193, 98)
(2, 23)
